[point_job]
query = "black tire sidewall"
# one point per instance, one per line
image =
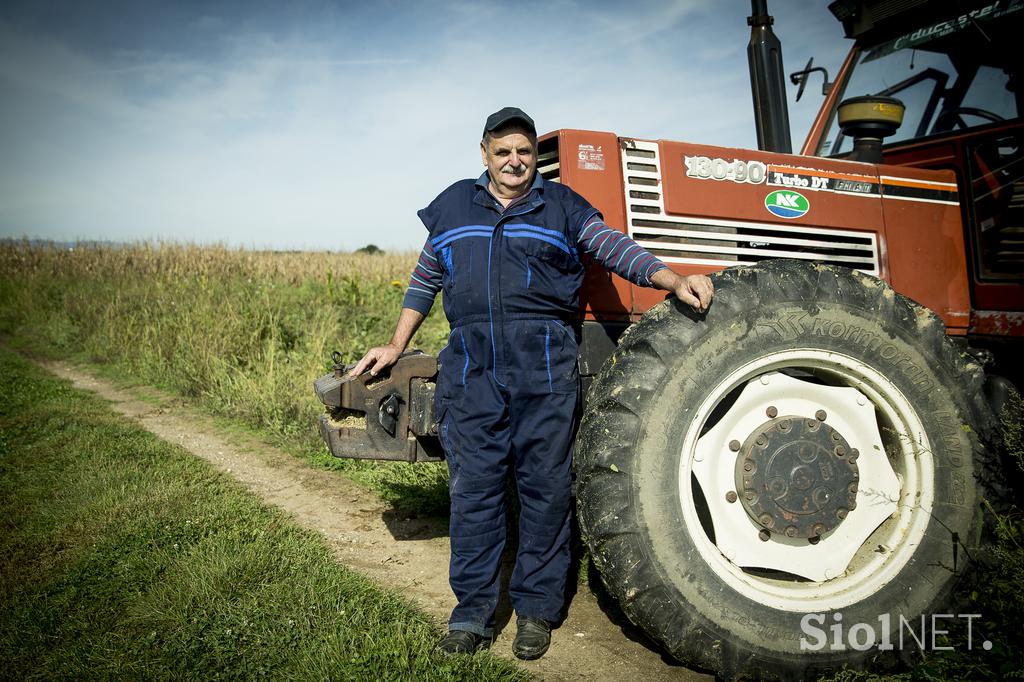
(899, 340)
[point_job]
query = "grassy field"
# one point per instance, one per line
(122, 556)
(243, 333)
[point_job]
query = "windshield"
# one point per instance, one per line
(951, 75)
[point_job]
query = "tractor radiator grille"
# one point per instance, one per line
(547, 160)
(702, 241)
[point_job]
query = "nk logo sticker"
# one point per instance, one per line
(786, 203)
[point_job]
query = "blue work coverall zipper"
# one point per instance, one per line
(496, 237)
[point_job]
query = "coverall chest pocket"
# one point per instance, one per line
(548, 268)
(465, 264)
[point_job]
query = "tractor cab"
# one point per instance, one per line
(955, 69)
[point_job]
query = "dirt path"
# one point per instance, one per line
(407, 555)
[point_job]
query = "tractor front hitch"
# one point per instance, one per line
(389, 416)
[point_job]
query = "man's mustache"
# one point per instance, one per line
(515, 170)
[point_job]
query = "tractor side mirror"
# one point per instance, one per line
(801, 77)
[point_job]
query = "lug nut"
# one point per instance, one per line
(761, 441)
(772, 411)
(750, 495)
(835, 435)
(853, 488)
(819, 529)
(841, 513)
(766, 520)
(785, 425)
(730, 496)
(814, 540)
(791, 531)
(734, 445)
(764, 535)
(748, 465)
(821, 415)
(840, 451)
(854, 454)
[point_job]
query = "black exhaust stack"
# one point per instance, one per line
(767, 83)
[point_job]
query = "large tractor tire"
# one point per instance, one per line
(805, 455)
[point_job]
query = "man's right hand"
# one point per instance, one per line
(377, 359)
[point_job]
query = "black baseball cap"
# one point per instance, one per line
(500, 119)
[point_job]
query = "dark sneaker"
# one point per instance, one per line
(533, 636)
(462, 642)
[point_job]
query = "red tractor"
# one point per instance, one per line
(811, 452)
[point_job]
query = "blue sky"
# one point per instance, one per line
(325, 125)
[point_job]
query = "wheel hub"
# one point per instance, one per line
(739, 535)
(797, 476)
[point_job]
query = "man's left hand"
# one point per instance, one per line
(694, 290)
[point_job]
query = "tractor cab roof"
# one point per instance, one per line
(871, 22)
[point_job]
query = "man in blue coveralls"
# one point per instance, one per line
(506, 250)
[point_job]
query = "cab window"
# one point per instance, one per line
(951, 76)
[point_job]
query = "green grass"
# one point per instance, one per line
(241, 333)
(123, 556)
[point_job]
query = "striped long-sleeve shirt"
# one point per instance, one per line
(425, 281)
(615, 251)
(611, 248)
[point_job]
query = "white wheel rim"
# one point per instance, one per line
(873, 544)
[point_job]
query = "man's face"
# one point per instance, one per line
(511, 159)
